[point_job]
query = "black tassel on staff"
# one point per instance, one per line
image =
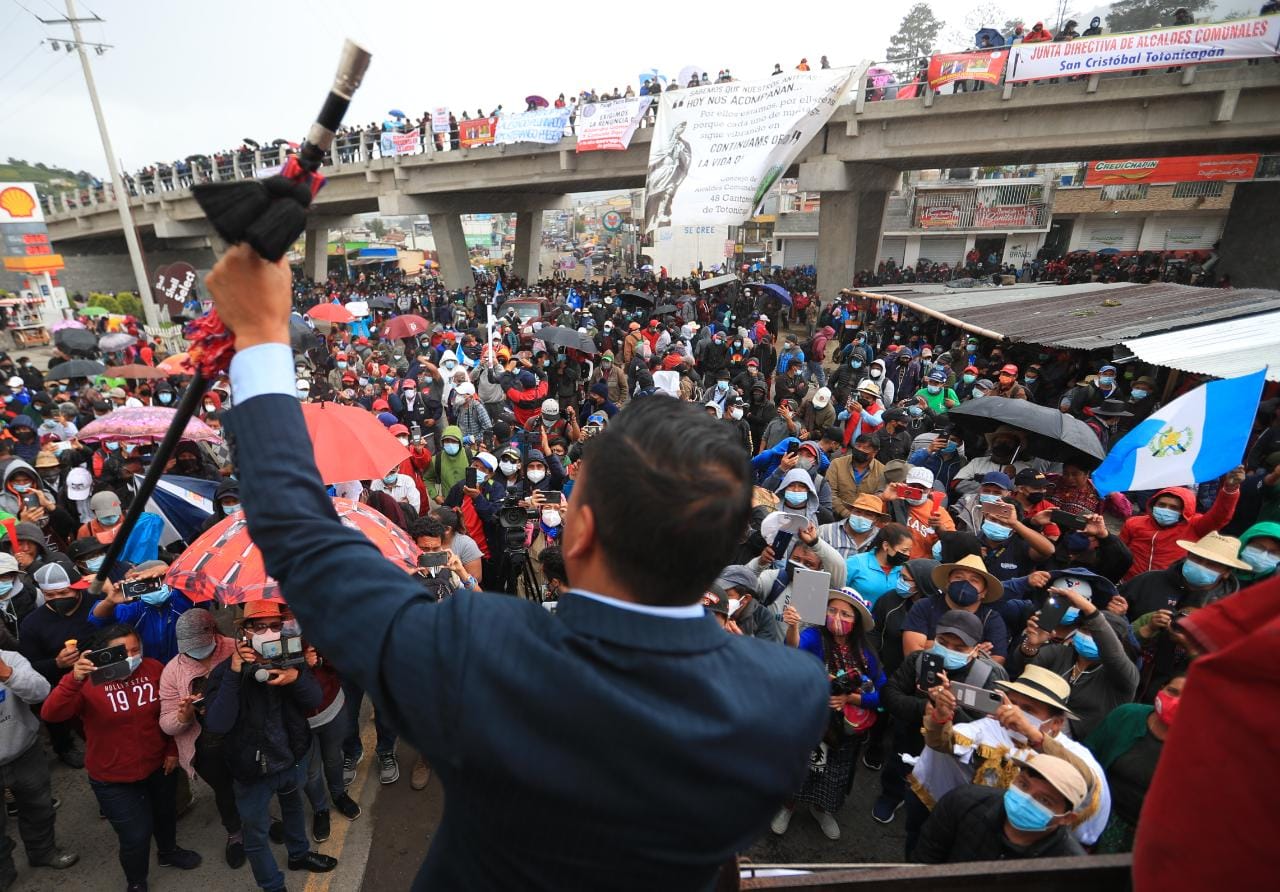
(268, 215)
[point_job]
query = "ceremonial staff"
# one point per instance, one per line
(268, 215)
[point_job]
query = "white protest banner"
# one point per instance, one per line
(1185, 45)
(546, 125)
(609, 126)
(399, 143)
(718, 149)
(440, 120)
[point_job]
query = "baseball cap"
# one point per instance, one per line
(715, 600)
(822, 398)
(54, 578)
(79, 484)
(1060, 774)
(86, 547)
(487, 459)
(964, 625)
(8, 563)
(104, 504)
(466, 388)
(550, 408)
(196, 628)
(896, 471)
(938, 375)
(1028, 477)
(997, 478)
(1009, 369)
(890, 415)
(15, 381)
(922, 477)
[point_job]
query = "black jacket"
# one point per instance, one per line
(264, 727)
(968, 825)
(905, 703)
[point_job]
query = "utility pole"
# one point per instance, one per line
(150, 310)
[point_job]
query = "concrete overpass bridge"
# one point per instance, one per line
(854, 162)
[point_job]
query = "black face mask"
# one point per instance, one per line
(897, 560)
(1035, 497)
(860, 457)
(1002, 452)
(63, 606)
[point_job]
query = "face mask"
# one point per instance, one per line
(6, 588)
(63, 606)
(856, 363)
(1084, 644)
(94, 564)
(259, 640)
(210, 407)
(919, 501)
(1072, 614)
(1106, 381)
(1002, 452)
(962, 593)
(507, 468)
(934, 388)
(537, 475)
(199, 653)
(898, 559)
(109, 520)
(722, 386)
(875, 373)
(838, 625)
(1025, 813)
(951, 660)
(996, 532)
(1140, 394)
(157, 597)
(951, 448)
(969, 379)
(936, 551)
(1263, 562)
(550, 518)
(1165, 517)
(796, 499)
(342, 365)
(859, 524)
(1030, 379)
(451, 448)
(903, 587)
(22, 487)
(134, 663)
(858, 457)
(113, 446)
(481, 477)
(449, 364)
(1166, 706)
(165, 398)
(1198, 575)
(735, 413)
(391, 479)
(1035, 497)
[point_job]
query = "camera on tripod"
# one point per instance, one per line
(513, 515)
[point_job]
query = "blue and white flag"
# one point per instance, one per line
(1199, 436)
(497, 287)
(574, 300)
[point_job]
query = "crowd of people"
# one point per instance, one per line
(1180, 267)
(1005, 646)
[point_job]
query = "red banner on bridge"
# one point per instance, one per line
(478, 132)
(946, 68)
(1186, 169)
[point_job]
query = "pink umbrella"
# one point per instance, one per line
(66, 323)
(143, 424)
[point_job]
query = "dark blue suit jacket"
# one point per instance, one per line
(597, 748)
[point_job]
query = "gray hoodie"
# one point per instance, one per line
(24, 688)
(810, 509)
(8, 501)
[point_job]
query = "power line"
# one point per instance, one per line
(14, 67)
(32, 81)
(34, 97)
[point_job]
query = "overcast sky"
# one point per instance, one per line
(190, 77)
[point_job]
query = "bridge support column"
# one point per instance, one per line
(528, 242)
(315, 264)
(850, 217)
(451, 245)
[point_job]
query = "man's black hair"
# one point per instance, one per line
(447, 517)
(116, 630)
(553, 567)
(671, 493)
(426, 526)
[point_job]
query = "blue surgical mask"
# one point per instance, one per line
(934, 389)
(157, 597)
(1197, 574)
(902, 586)
(22, 487)
(951, 661)
(859, 524)
(1106, 380)
(936, 551)
(1024, 812)
(452, 448)
(199, 653)
(1166, 517)
(165, 398)
(996, 532)
(969, 379)
(722, 386)
(1263, 562)
(342, 364)
(951, 448)
(856, 363)
(134, 663)
(6, 586)
(481, 477)
(1072, 614)
(987, 498)
(112, 446)
(109, 520)
(1085, 645)
(796, 499)
(94, 564)
(1139, 393)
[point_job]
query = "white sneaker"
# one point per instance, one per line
(827, 822)
(782, 820)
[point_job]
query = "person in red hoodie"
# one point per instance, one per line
(130, 761)
(1171, 515)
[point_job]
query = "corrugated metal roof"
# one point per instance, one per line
(1088, 316)
(1222, 349)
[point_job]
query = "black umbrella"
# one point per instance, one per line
(75, 340)
(76, 368)
(638, 296)
(381, 303)
(665, 309)
(1054, 435)
(302, 337)
(555, 335)
(251, 143)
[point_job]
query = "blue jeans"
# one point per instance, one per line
(324, 762)
(351, 745)
(137, 811)
(817, 371)
(253, 800)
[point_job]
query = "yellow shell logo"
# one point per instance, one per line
(17, 202)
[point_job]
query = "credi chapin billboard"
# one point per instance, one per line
(1187, 169)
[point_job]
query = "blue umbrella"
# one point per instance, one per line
(396, 113)
(651, 74)
(783, 294)
(185, 503)
(996, 38)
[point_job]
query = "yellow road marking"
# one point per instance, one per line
(319, 882)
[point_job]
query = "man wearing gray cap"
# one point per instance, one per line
(752, 617)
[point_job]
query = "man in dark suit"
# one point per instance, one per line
(625, 742)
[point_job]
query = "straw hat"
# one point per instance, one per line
(942, 576)
(869, 503)
(1217, 548)
(1006, 430)
(1043, 685)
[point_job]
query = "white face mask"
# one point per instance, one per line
(404, 441)
(508, 468)
(537, 475)
(550, 517)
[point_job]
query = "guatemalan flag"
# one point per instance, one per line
(1199, 436)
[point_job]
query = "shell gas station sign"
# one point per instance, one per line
(24, 240)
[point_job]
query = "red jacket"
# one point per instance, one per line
(1219, 757)
(527, 402)
(1155, 547)
(123, 740)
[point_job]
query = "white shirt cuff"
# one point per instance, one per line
(262, 369)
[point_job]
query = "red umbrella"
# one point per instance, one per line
(330, 313)
(224, 565)
(409, 326)
(350, 443)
